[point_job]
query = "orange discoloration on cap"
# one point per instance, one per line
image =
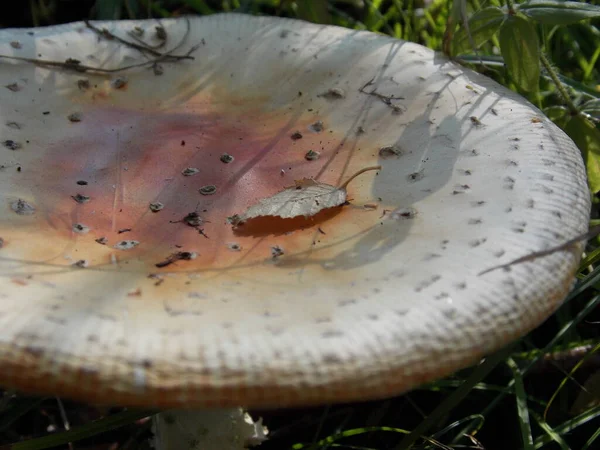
(124, 159)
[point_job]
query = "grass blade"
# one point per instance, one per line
(81, 432)
(551, 434)
(456, 397)
(522, 410)
(565, 427)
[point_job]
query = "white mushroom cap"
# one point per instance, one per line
(360, 301)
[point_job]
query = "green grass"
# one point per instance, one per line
(520, 397)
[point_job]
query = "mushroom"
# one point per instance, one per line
(363, 300)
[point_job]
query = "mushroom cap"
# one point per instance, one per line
(359, 301)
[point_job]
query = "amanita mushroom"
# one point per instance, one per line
(124, 282)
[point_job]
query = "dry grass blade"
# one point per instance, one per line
(593, 231)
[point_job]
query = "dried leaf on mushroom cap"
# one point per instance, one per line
(363, 303)
(306, 198)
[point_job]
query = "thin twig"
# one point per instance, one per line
(386, 99)
(75, 65)
(104, 33)
(140, 45)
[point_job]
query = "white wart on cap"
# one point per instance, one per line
(122, 280)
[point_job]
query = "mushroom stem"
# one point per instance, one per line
(220, 429)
